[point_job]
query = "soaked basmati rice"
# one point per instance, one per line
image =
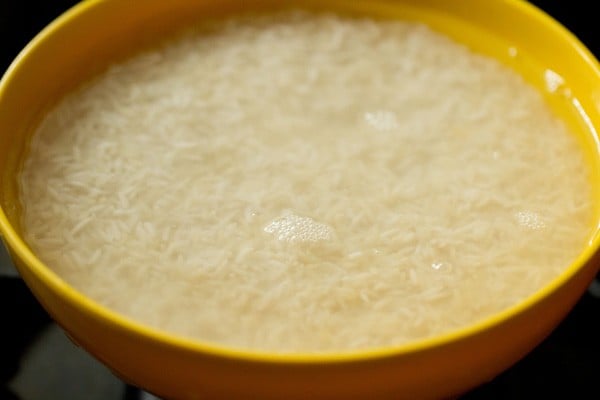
(303, 182)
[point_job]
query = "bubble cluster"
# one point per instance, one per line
(382, 120)
(530, 220)
(553, 80)
(294, 228)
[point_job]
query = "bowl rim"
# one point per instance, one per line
(71, 295)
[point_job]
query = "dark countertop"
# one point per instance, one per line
(565, 364)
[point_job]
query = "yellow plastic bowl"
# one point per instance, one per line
(94, 33)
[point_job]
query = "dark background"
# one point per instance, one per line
(566, 364)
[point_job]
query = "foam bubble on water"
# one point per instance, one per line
(382, 120)
(441, 266)
(437, 265)
(553, 80)
(295, 228)
(530, 220)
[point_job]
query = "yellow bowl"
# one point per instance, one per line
(91, 35)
